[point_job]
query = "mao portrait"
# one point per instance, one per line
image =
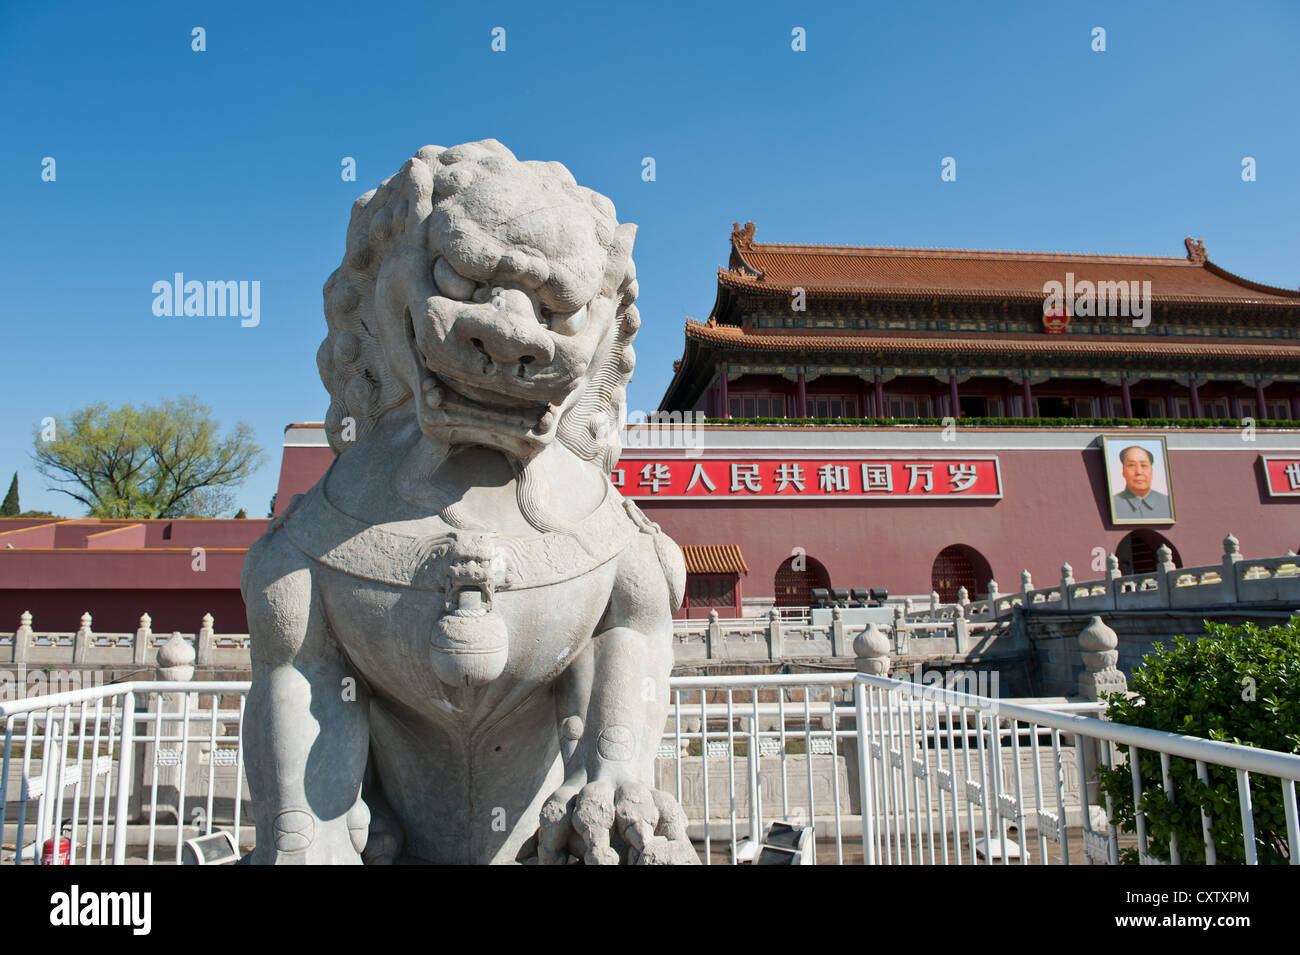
(1137, 476)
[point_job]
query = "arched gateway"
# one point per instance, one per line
(959, 566)
(793, 588)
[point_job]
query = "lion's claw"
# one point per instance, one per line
(604, 825)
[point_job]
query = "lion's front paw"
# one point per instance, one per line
(602, 824)
(300, 838)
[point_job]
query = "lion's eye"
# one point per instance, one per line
(564, 323)
(451, 284)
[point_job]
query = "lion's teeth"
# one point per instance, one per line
(546, 421)
(433, 397)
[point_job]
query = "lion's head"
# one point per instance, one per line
(492, 297)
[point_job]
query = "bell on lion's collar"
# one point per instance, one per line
(469, 648)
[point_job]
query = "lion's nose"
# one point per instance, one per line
(506, 331)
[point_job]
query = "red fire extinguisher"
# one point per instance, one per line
(56, 851)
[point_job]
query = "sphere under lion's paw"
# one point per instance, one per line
(601, 824)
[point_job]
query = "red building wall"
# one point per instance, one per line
(1053, 508)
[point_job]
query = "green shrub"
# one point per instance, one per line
(1236, 684)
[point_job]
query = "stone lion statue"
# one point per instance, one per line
(461, 636)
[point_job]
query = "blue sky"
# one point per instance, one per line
(225, 164)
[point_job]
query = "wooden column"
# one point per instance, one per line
(801, 404)
(722, 392)
(1196, 399)
(1029, 399)
(880, 398)
(1128, 400)
(1261, 408)
(1295, 404)
(953, 397)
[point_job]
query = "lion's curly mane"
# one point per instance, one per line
(420, 205)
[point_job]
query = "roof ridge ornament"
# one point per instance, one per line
(742, 236)
(1196, 253)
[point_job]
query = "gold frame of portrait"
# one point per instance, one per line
(1111, 445)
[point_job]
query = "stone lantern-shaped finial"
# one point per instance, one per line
(176, 659)
(1099, 647)
(871, 648)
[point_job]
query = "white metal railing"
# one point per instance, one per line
(87, 758)
(938, 776)
(904, 719)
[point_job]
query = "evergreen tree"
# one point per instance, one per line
(10, 507)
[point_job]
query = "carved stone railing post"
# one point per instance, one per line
(1026, 584)
(1231, 556)
(900, 631)
(776, 648)
(713, 637)
(993, 590)
(960, 624)
(1099, 647)
(23, 636)
(1112, 567)
(1067, 584)
(174, 663)
(934, 605)
(871, 650)
(837, 632)
(203, 642)
(83, 641)
(143, 641)
(909, 605)
(1168, 572)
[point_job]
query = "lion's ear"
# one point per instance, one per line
(619, 263)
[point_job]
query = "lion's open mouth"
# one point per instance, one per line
(453, 404)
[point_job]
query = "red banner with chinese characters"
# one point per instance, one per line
(893, 477)
(1282, 474)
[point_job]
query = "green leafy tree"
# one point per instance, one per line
(166, 460)
(1236, 684)
(10, 507)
